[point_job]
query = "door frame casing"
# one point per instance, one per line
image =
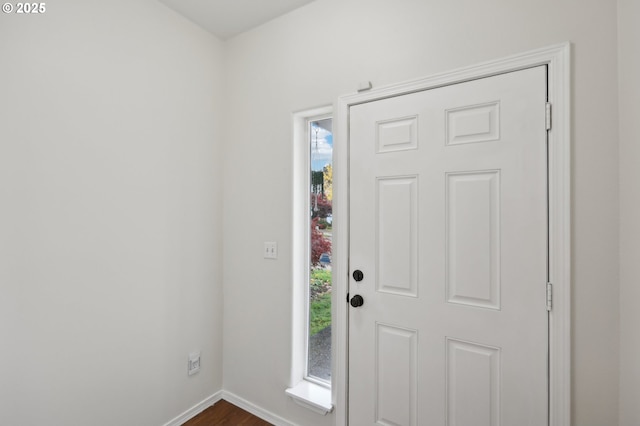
(557, 58)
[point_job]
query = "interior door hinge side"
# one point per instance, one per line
(549, 296)
(547, 115)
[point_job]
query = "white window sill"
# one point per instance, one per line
(311, 396)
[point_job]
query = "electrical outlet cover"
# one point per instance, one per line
(194, 363)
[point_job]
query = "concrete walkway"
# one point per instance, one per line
(320, 354)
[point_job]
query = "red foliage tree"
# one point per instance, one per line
(320, 206)
(319, 243)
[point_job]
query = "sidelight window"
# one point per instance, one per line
(320, 141)
(310, 384)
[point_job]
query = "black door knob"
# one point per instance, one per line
(358, 275)
(357, 301)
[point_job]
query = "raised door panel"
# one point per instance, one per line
(397, 235)
(473, 238)
(396, 376)
(473, 384)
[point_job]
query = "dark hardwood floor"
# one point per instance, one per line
(225, 413)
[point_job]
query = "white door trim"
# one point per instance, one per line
(558, 60)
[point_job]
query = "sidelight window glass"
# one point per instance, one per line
(320, 227)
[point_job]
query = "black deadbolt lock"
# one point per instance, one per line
(358, 275)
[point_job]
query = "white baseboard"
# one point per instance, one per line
(255, 410)
(235, 400)
(196, 409)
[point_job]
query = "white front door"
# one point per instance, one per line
(448, 227)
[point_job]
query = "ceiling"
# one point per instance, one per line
(227, 18)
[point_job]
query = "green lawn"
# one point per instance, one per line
(320, 314)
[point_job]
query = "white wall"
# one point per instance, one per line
(310, 57)
(110, 214)
(629, 62)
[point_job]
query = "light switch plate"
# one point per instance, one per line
(270, 250)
